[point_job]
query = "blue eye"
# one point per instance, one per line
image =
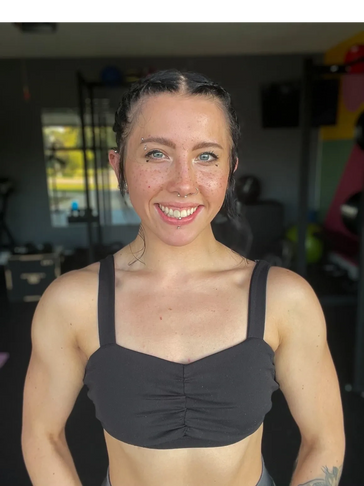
(153, 152)
(209, 154)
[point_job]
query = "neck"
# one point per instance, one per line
(204, 253)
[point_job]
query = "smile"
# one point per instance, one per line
(175, 213)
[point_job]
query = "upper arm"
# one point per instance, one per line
(304, 366)
(55, 373)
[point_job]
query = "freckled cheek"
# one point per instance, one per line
(214, 185)
(147, 181)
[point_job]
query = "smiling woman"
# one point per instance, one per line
(163, 103)
(181, 346)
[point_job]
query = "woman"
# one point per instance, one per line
(180, 340)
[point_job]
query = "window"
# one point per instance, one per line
(64, 160)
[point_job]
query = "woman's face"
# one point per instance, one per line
(177, 144)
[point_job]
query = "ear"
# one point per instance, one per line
(114, 160)
(236, 164)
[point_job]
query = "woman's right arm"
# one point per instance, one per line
(53, 382)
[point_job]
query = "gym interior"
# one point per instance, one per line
(299, 94)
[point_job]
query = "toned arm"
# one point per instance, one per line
(308, 380)
(53, 382)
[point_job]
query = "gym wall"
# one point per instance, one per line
(272, 154)
(338, 156)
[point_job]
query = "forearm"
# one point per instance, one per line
(49, 462)
(318, 465)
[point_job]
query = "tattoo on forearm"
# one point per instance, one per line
(330, 479)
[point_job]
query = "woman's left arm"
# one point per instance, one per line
(308, 380)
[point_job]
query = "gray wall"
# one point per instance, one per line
(272, 155)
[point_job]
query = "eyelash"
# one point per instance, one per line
(212, 154)
(149, 154)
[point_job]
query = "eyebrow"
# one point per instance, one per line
(169, 143)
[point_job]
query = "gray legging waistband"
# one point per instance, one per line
(265, 478)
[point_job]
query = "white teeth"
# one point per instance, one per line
(176, 213)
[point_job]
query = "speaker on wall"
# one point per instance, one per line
(280, 103)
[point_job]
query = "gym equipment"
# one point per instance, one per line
(248, 189)
(32, 249)
(350, 213)
(6, 188)
(314, 244)
(342, 238)
(3, 358)
(111, 76)
(355, 163)
(239, 239)
(280, 254)
(359, 131)
(354, 53)
(55, 163)
(95, 99)
(264, 236)
(28, 275)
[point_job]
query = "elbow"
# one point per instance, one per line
(333, 443)
(27, 438)
(31, 437)
(29, 441)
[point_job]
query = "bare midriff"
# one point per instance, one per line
(232, 465)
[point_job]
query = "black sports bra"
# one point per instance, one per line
(151, 402)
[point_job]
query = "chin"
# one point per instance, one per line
(178, 240)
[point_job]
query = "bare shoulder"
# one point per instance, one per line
(71, 287)
(71, 297)
(287, 285)
(295, 303)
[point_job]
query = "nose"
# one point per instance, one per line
(183, 177)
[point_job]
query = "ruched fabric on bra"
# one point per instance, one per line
(151, 402)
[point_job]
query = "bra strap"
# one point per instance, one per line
(106, 301)
(257, 299)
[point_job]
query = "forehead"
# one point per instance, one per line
(182, 116)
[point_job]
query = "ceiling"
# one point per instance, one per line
(174, 39)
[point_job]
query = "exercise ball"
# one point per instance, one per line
(314, 245)
(248, 189)
(350, 212)
(111, 76)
